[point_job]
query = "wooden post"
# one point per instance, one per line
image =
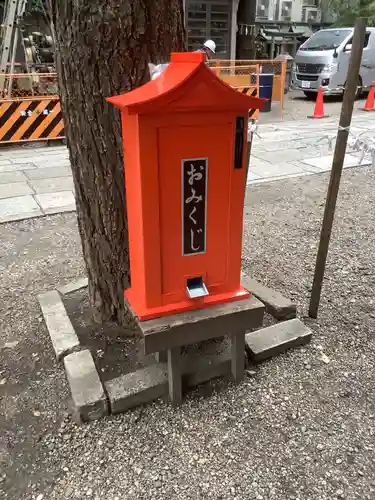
(337, 164)
(282, 86)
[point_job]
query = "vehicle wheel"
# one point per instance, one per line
(310, 95)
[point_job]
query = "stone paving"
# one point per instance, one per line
(298, 148)
(36, 180)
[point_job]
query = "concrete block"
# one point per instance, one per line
(7, 177)
(12, 151)
(200, 369)
(60, 328)
(24, 159)
(18, 208)
(288, 155)
(48, 173)
(58, 148)
(14, 167)
(283, 146)
(51, 161)
(57, 151)
(276, 304)
(73, 286)
(202, 324)
(53, 203)
(279, 135)
(52, 185)
(264, 180)
(150, 383)
(14, 189)
(251, 176)
(275, 170)
(88, 395)
(274, 340)
(325, 162)
(161, 356)
(38, 159)
(137, 388)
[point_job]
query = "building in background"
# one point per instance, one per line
(280, 25)
(212, 19)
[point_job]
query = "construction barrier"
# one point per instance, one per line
(31, 120)
(30, 108)
(239, 73)
(244, 78)
(253, 92)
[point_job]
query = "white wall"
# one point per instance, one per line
(296, 10)
(272, 11)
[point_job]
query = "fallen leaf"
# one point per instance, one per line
(36, 413)
(3, 381)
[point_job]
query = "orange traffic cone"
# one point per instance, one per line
(370, 101)
(319, 106)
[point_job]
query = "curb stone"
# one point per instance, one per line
(73, 287)
(63, 336)
(276, 339)
(89, 399)
(92, 400)
(276, 304)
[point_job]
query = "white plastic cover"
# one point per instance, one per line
(156, 69)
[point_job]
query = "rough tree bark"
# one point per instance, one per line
(103, 48)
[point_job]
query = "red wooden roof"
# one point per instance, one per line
(187, 84)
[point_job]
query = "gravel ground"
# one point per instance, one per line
(301, 426)
(298, 107)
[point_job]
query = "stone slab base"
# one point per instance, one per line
(92, 400)
(73, 286)
(151, 383)
(88, 395)
(63, 336)
(276, 339)
(276, 304)
(137, 388)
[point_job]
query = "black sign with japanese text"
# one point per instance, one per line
(194, 201)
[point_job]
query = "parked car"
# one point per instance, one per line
(323, 61)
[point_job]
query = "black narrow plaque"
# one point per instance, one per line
(194, 202)
(238, 145)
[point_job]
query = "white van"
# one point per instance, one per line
(323, 60)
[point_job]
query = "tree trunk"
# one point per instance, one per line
(246, 42)
(103, 48)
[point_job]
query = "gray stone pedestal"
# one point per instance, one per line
(170, 333)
